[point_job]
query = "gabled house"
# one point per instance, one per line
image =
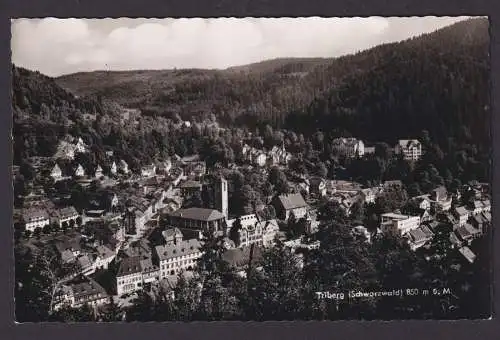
(82, 292)
(441, 199)
(80, 171)
(462, 214)
(419, 237)
(148, 170)
(35, 218)
(411, 149)
(104, 256)
(348, 147)
(288, 204)
(123, 167)
(176, 256)
(56, 173)
(113, 168)
(98, 172)
(65, 215)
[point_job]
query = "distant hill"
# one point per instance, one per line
(434, 82)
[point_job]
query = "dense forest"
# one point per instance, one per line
(437, 82)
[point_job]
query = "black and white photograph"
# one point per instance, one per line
(251, 169)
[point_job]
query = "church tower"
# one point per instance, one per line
(221, 197)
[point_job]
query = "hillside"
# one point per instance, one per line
(438, 82)
(425, 82)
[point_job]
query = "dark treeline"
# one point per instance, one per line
(437, 82)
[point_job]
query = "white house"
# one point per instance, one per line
(348, 147)
(113, 168)
(104, 257)
(269, 229)
(411, 149)
(56, 173)
(399, 224)
(80, 171)
(129, 276)
(78, 294)
(80, 146)
(35, 218)
(98, 172)
(176, 256)
(148, 170)
(462, 214)
(66, 215)
(123, 166)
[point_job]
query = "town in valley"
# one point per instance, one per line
(121, 214)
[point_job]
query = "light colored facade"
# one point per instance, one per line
(148, 171)
(35, 218)
(98, 172)
(80, 171)
(56, 173)
(79, 294)
(104, 257)
(462, 214)
(197, 218)
(129, 276)
(269, 231)
(123, 166)
(66, 215)
(288, 204)
(178, 256)
(399, 224)
(349, 147)
(411, 149)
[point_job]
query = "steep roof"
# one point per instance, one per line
(461, 211)
(198, 214)
(406, 143)
(104, 252)
(292, 201)
(186, 247)
(89, 289)
(33, 214)
(67, 212)
(129, 265)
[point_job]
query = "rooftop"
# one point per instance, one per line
(129, 265)
(292, 201)
(186, 247)
(198, 214)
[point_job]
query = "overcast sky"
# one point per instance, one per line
(60, 46)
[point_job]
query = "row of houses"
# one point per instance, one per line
(275, 156)
(35, 218)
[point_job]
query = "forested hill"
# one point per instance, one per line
(438, 81)
(36, 95)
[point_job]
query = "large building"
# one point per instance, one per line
(288, 204)
(348, 147)
(77, 294)
(35, 218)
(399, 224)
(134, 272)
(411, 149)
(66, 215)
(177, 256)
(197, 218)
